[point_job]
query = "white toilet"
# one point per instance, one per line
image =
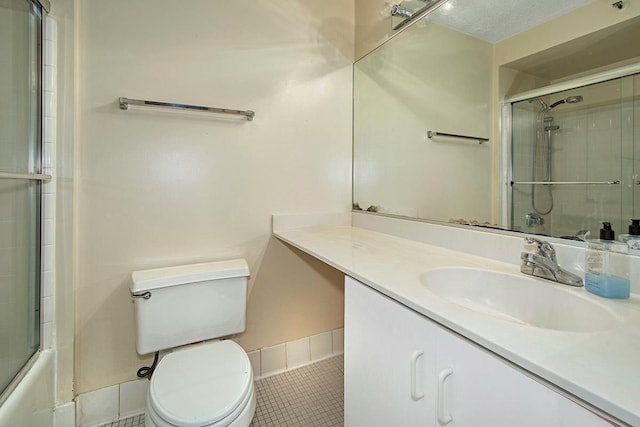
(205, 384)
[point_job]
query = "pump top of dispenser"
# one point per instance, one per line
(634, 227)
(606, 232)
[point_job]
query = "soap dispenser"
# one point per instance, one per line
(607, 265)
(633, 238)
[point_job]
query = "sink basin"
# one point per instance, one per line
(520, 299)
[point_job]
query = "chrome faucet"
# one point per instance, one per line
(543, 263)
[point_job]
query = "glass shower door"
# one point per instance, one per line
(20, 185)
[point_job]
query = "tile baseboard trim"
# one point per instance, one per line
(65, 415)
(109, 404)
(269, 361)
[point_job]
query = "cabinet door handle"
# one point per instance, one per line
(415, 394)
(443, 419)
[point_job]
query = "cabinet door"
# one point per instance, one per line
(388, 362)
(475, 388)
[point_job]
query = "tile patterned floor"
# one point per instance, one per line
(312, 395)
(309, 396)
(134, 421)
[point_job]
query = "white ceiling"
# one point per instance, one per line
(496, 20)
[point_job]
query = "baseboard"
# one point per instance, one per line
(65, 415)
(280, 358)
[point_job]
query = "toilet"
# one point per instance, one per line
(205, 384)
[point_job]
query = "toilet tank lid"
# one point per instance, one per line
(146, 280)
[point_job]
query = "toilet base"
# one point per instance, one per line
(243, 419)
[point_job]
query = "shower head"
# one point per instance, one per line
(569, 100)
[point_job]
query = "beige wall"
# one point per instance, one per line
(293, 295)
(158, 188)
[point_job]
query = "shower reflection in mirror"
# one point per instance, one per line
(541, 158)
(572, 159)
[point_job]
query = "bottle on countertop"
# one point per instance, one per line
(607, 265)
(633, 238)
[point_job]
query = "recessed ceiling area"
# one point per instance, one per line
(610, 47)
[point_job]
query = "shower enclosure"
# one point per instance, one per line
(20, 185)
(573, 160)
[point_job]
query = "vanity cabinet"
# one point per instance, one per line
(402, 369)
(389, 355)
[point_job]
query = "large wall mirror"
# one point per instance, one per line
(504, 114)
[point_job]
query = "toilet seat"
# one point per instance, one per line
(207, 384)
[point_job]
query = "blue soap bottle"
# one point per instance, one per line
(607, 265)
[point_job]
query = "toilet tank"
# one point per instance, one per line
(180, 305)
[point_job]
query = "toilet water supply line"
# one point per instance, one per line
(147, 371)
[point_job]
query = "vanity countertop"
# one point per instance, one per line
(601, 368)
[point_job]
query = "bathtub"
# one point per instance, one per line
(31, 402)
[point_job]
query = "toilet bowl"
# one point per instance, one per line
(209, 384)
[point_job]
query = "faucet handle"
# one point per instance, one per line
(543, 248)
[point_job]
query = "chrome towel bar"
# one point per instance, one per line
(35, 176)
(126, 102)
(431, 134)
(566, 182)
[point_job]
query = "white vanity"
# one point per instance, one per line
(402, 369)
(436, 337)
